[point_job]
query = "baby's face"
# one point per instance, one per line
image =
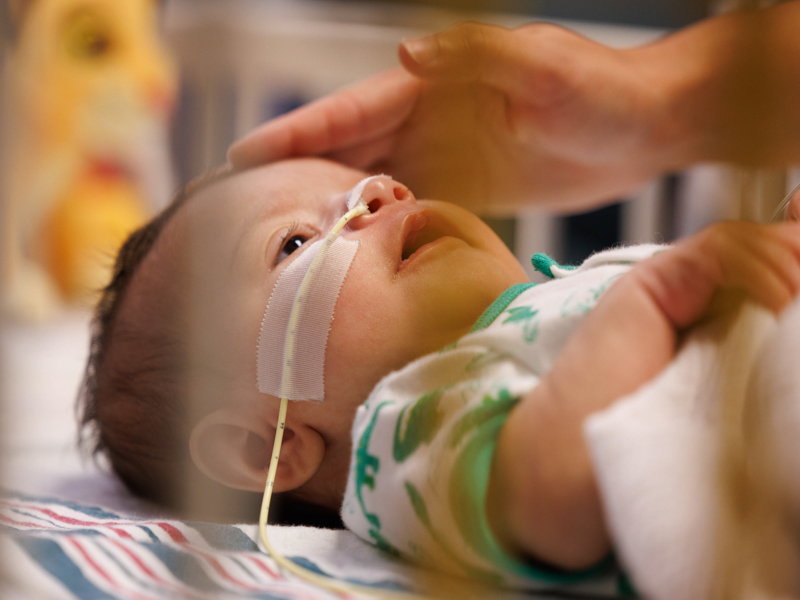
(424, 272)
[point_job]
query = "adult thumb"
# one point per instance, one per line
(463, 53)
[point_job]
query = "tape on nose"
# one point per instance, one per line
(355, 196)
(307, 366)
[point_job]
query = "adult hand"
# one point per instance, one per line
(490, 117)
(493, 116)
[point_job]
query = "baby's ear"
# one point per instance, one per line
(234, 449)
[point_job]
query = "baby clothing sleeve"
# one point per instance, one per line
(423, 442)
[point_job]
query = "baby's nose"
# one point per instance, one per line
(384, 191)
(379, 193)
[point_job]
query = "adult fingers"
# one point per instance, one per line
(770, 286)
(367, 155)
(529, 61)
(360, 113)
(765, 262)
(793, 210)
(779, 253)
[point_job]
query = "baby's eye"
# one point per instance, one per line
(290, 244)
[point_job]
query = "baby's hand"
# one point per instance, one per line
(543, 499)
(762, 261)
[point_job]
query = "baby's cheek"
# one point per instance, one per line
(364, 323)
(357, 327)
(357, 357)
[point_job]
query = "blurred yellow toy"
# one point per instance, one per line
(89, 93)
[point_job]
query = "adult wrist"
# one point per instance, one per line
(720, 94)
(686, 74)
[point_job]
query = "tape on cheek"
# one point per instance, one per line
(306, 375)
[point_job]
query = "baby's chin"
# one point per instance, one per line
(463, 283)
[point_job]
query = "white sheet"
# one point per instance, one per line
(656, 452)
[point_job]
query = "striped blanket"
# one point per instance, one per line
(61, 549)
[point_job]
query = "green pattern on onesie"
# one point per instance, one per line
(520, 313)
(367, 467)
(423, 423)
(586, 300)
(469, 479)
(475, 436)
(418, 504)
(527, 316)
(488, 409)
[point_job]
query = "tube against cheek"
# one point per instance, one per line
(291, 362)
(305, 377)
(326, 257)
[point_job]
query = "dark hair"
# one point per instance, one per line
(131, 404)
(129, 410)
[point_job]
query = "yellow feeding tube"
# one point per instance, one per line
(288, 352)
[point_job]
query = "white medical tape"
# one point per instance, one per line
(307, 366)
(301, 375)
(357, 207)
(354, 195)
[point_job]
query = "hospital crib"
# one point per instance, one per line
(244, 61)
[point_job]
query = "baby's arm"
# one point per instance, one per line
(543, 499)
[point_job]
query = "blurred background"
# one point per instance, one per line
(110, 106)
(155, 99)
(104, 118)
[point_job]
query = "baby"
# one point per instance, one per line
(454, 390)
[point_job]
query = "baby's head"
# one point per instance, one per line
(182, 317)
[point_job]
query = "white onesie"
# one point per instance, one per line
(423, 441)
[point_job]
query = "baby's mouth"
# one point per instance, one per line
(421, 235)
(417, 240)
